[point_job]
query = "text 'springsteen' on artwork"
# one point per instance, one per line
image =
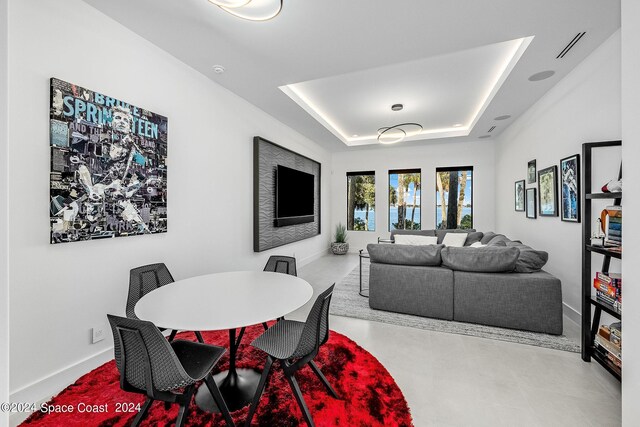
(108, 166)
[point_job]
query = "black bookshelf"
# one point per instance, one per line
(590, 324)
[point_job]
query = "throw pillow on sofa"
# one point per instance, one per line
(488, 236)
(530, 260)
(414, 239)
(473, 237)
(443, 232)
(454, 239)
(405, 254)
(498, 238)
(482, 260)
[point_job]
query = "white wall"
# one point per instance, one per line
(630, 266)
(58, 292)
(583, 107)
(479, 154)
(4, 283)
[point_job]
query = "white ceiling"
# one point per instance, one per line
(346, 62)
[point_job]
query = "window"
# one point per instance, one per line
(404, 199)
(454, 197)
(361, 201)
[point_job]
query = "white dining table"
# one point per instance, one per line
(220, 301)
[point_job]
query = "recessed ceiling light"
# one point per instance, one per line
(457, 125)
(397, 107)
(505, 117)
(484, 136)
(355, 135)
(541, 75)
(218, 69)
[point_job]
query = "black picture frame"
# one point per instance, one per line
(531, 171)
(570, 192)
(548, 191)
(530, 202)
(519, 205)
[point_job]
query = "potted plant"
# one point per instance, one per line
(340, 246)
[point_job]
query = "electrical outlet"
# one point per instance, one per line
(97, 334)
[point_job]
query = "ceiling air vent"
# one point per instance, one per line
(571, 44)
(491, 129)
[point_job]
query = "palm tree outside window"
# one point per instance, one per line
(404, 199)
(361, 201)
(454, 197)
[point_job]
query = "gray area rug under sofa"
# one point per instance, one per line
(348, 303)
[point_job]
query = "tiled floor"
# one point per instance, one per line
(457, 380)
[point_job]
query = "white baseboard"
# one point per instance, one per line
(312, 257)
(45, 388)
(573, 314)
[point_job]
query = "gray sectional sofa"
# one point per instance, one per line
(499, 284)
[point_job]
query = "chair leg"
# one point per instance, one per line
(298, 394)
(142, 413)
(184, 406)
(256, 398)
(322, 378)
(265, 326)
(217, 397)
(199, 336)
(173, 335)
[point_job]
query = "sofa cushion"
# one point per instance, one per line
(473, 237)
(412, 232)
(454, 239)
(484, 260)
(498, 238)
(405, 254)
(442, 233)
(486, 238)
(414, 239)
(529, 260)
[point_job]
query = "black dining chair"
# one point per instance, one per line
(145, 279)
(151, 365)
(281, 264)
(295, 344)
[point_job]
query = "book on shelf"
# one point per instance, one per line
(604, 354)
(609, 290)
(602, 297)
(609, 346)
(614, 279)
(611, 220)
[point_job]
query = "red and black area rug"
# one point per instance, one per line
(369, 395)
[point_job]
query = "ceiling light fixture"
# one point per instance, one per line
(505, 117)
(218, 69)
(396, 133)
(252, 10)
(230, 3)
(457, 125)
(397, 107)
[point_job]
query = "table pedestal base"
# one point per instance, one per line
(237, 388)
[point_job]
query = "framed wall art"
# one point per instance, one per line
(531, 203)
(570, 188)
(531, 172)
(548, 191)
(519, 196)
(108, 175)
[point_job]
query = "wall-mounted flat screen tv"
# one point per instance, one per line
(295, 196)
